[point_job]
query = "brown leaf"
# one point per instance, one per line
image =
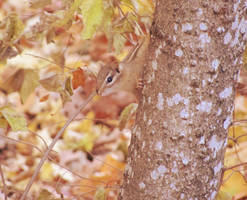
(78, 78)
(12, 79)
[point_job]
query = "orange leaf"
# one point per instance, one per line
(44, 98)
(78, 78)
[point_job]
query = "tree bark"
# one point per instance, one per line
(178, 143)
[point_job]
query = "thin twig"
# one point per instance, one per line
(4, 184)
(59, 134)
(51, 159)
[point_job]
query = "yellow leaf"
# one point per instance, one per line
(30, 82)
(100, 194)
(92, 12)
(223, 196)
(3, 123)
(15, 27)
(118, 42)
(144, 7)
(68, 15)
(46, 195)
(16, 121)
(46, 172)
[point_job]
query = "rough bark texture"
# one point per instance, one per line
(178, 142)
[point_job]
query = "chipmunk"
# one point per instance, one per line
(126, 75)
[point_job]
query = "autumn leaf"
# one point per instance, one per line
(118, 43)
(78, 78)
(16, 120)
(30, 82)
(39, 3)
(53, 83)
(3, 123)
(12, 79)
(14, 27)
(100, 194)
(126, 115)
(92, 12)
(44, 98)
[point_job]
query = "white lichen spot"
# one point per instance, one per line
(193, 62)
(181, 195)
(217, 168)
(204, 106)
(186, 70)
(128, 169)
(160, 104)
(184, 114)
(158, 146)
(203, 27)
(174, 38)
(204, 83)
(185, 160)
(182, 133)
(162, 170)
(213, 195)
(143, 144)
(219, 112)
(186, 101)
(154, 175)
(144, 117)
(149, 100)
(215, 145)
(174, 100)
(204, 38)
(155, 65)
(179, 52)
(187, 27)
(243, 27)
(227, 38)
(175, 27)
(215, 64)
(202, 140)
(174, 169)
(149, 122)
(199, 12)
(226, 93)
(142, 185)
(220, 29)
(227, 122)
(158, 51)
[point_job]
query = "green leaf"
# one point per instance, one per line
(16, 120)
(30, 82)
(92, 12)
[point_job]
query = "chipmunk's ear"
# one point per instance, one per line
(117, 70)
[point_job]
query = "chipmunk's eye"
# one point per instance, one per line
(109, 79)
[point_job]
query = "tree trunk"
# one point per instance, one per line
(178, 143)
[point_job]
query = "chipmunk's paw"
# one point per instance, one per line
(140, 84)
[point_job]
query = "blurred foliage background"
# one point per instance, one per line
(50, 53)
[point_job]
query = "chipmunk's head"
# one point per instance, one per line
(107, 79)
